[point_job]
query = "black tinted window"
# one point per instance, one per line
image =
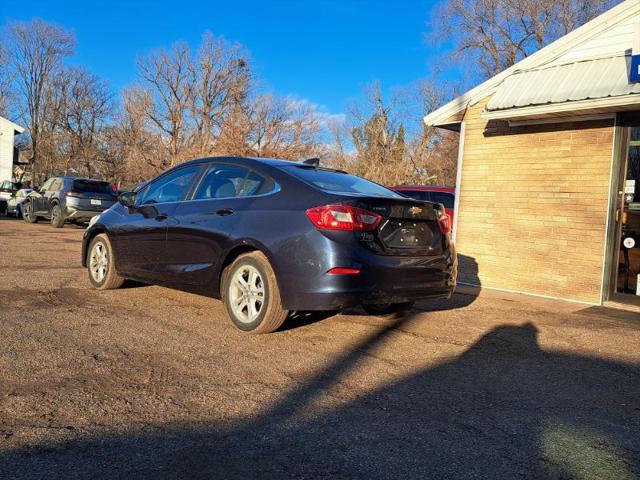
(221, 181)
(417, 194)
(446, 199)
(92, 186)
(170, 188)
(333, 181)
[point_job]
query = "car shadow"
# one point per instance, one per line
(503, 408)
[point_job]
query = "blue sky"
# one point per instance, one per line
(323, 51)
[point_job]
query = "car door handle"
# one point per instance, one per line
(161, 217)
(223, 212)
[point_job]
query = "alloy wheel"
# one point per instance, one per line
(247, 293)
(98, 262)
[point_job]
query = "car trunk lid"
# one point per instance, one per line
(408, 227)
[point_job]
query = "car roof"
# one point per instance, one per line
(276, 162)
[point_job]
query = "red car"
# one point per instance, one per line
(444, 195)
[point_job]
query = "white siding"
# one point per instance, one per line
(6, 152)
(7, 136)
(613, 41)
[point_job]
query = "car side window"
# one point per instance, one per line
(256, 184)
(170, 187)
(222, 181)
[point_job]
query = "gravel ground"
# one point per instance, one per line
(148, 382)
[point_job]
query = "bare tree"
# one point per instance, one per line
(167, 75)
(220, 76)
(139, 144)
(84, 104)
(269, 126)
(496, 34)
(35, 52)
(391, 144)
(6, 80)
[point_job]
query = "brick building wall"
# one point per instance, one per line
(533, 205)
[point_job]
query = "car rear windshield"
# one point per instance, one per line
(92, 186)
(340, 182)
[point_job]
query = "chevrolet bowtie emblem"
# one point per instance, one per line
(415, 211)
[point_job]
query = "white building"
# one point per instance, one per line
(8, 131)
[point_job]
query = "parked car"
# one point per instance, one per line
(7, 190)
(14, 204)
(273, 236)
(443, 195)
(68, 199)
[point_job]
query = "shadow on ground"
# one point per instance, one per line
(505, 408)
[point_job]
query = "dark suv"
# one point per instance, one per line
(69, 199)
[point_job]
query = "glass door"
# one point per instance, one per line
(627, 281)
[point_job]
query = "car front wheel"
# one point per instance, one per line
(101, 264)
(251, 295)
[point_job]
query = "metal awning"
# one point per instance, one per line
(602, 78)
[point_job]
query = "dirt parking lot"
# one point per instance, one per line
(148, 382)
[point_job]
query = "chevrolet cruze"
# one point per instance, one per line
(271, 236)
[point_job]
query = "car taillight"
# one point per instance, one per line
(343, 217)
(70, 193)
(444, 221)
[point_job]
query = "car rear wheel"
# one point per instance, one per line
(27, 213)
(251, 295)
(57, 217)
(101, 264)
(381, 309)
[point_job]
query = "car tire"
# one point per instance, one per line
(382, 309)
(57, 216)
(101, 264)
(251, 295)
(27, 213)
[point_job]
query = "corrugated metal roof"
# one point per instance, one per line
(583, 80)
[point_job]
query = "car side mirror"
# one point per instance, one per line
(128, 199)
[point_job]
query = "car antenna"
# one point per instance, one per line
(314, 162)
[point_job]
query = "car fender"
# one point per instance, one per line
(247, 244)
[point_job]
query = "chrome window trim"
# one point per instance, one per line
(249, 170)
(272, 192)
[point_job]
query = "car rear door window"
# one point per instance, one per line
(222, 181)
(170, 187)
(445, 198)
(255, 184)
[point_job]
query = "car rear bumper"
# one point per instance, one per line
(381, 280)
(84, 215)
